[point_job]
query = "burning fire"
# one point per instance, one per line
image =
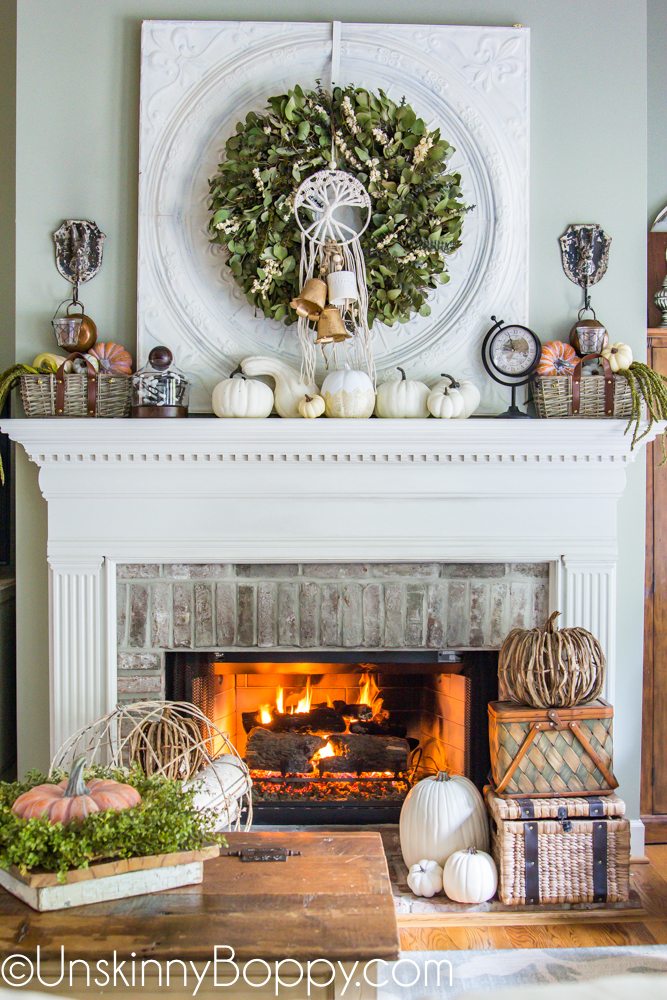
(264, 714)
(280, 707)
(369, 693)
(305, 700)
(327, 751)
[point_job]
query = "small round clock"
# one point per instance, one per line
(510, 355)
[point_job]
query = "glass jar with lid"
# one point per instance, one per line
(160, 389)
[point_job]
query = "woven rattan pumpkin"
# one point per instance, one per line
(168, 745)
(551, 668)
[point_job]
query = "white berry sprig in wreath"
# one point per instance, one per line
(417, 207)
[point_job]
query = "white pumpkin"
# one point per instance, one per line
(470, 876)
(242, 397)
(425, 878)
(348, 393)
(618, 355)
(402, 397)
(441, 815)
(289, 390)
(311, 407)
(451, 399)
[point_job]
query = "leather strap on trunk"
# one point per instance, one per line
(600, 862)
(608, 386)
(530, 848)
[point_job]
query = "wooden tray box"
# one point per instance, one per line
(108, 879)
(574, 850)
(551, 751)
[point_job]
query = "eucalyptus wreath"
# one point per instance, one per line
(417, 211)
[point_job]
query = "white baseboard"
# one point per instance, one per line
(637, 838)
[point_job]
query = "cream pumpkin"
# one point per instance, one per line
(402, 398)
(425, 878)
(451, 400)
(441, 815)
(618, 355)
(470, 876)
(348, 393)
(312, 407)
(242, 397)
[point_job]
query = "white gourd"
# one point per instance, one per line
(451, 399)
(242, 397)
(348, 393)
(289, 390)
(618, 355)
(470, 876)
(441, 815)
(425, 878)
(402, 398)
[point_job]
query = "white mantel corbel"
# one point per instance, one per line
(207, 490)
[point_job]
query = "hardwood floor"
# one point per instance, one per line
(650, 927)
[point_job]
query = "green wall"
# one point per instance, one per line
(77, 147)
(657, 118)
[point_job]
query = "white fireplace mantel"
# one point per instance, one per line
(208, 490)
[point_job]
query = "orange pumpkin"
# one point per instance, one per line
(113, 359)
(557, 358)
(73, 800)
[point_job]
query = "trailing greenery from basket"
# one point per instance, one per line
(165, 822)
(649, 388)
(417, 211)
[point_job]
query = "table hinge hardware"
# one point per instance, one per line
(263, 854)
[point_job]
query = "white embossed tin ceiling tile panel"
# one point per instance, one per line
(198, 79)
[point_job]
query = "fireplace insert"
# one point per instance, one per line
(339, 737)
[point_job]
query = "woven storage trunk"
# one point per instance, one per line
(111, 396)
(560, 850)
(553, 396)
(551, 752)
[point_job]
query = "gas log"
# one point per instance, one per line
(318, 719)
(355, 753)
(288, 753)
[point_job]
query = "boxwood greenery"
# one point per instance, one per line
(417, 207)
(165, 821)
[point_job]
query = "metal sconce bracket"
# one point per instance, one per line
(584, 250)
(79, 246)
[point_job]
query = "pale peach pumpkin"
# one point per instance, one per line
(73, 800)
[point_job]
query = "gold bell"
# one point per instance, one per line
(311, 300)
(330, 327)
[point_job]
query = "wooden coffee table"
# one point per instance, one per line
(332, 901)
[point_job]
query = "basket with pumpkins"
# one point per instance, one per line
(444, 832)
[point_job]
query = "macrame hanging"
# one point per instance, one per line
(333, 209)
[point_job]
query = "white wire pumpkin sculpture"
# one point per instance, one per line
(172, 739)
(333, 209)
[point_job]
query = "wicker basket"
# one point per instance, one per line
(596, 396)
(560, 850)
(551, 752)
(110, 399)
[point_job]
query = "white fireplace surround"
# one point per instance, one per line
(276, 491)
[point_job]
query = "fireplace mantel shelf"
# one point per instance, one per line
(202, 440)
(327, 491)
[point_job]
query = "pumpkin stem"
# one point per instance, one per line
(403, 379)
(309, 399)
(550, 624)
(443, 776)
(76, 785)
(455, 384)
(472, 850)
(237, 371)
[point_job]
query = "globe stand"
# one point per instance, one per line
(514, 412)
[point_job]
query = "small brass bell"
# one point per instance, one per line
(588, 336)
(311, 300)
(330, 327)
